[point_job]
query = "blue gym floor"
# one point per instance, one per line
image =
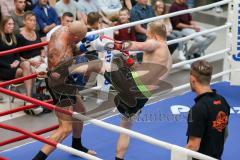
(157, 121)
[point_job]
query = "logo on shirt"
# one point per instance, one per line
(217, 102)
(221, 121)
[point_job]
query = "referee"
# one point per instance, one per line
(208, 118)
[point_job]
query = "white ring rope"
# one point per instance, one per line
(142, 137)
(159, 17)
(227, 25)
(176, 65)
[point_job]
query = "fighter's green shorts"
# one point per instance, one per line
(132, 94)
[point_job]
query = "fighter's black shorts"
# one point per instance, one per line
(131, 96)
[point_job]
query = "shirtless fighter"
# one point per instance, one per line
(61, 48)
(135, 83)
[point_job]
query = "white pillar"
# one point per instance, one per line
(234, 42)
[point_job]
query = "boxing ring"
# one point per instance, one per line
(160, 130)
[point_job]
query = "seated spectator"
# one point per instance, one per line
(46, 17)
(88, 6)
(94, 21)
(160, 9)
(187, 26)
(28, 36)
(139, 12)
(126, 34)
(11, 66)
(30, 4)
(18, 14)
(110, 7)
(65, 20)
(6, 7)
(63, 6)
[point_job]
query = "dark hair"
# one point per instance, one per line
(28, 14)
(93, 17)
(155, 7)
(1, 17)
(12, 36)
(67, 14)
(202, 71)
(124, 9)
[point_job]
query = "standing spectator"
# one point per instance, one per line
(88, 6)
(18, 14)
(66, 19)
(187, 26)
(46, 17)
(28, 36)
(6, 7)
(208, 118)
(63, 6)
(11, 66)
(126, 34)
(139, 12)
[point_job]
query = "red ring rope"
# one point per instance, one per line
(22, 108)
(24, 48)
(35, 101)
(19, 138)
(29, 134)
(18, 80)
(2, 158)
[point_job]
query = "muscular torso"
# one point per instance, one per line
(155, 66)
(59, 49)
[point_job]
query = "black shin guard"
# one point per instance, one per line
(77, 144)
(40, 156)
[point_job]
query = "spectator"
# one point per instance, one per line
(46, 17)
(30, 4)
(208, 118)
(139, 12)
(128, 4)
(66, 19)
(63, 6)
(1, 97)
(110, 7)
(28, 36)
(126, 34)
(18, 14)
(11, 66)
(187, 26)
(160, 9)
(94, 21)
(6, 7)
(88, 6)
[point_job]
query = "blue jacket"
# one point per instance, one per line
(44, 20)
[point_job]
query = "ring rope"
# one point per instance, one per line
(168, 15)
(49, 142)
(109, 126)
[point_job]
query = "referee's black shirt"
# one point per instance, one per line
(207, 120)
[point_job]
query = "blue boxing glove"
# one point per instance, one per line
(86, 45)
(92, 43)
(78, 79)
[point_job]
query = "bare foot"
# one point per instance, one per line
(92, 152)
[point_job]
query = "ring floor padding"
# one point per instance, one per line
(156, 120)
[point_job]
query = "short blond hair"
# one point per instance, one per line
(158, 28)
